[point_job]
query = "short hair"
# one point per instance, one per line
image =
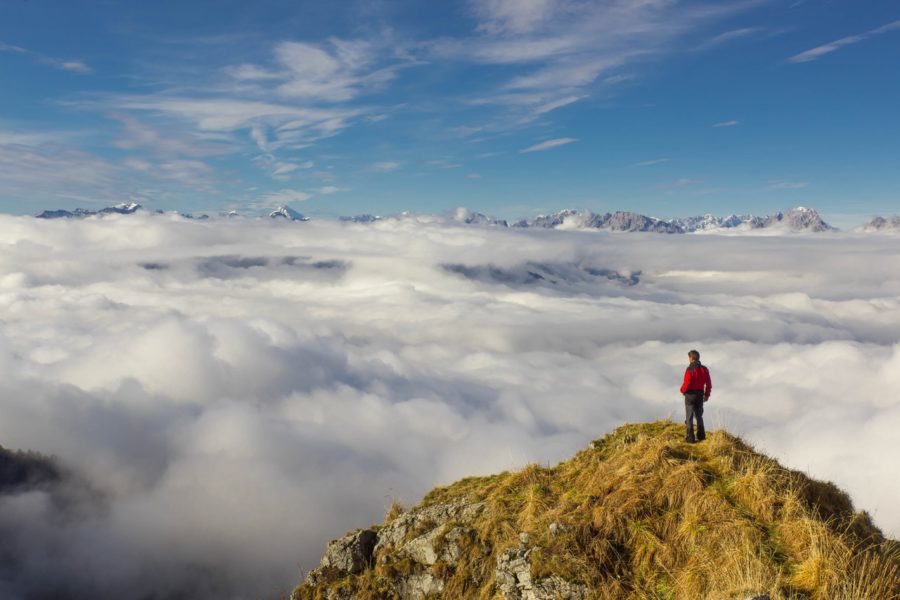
(694, 355)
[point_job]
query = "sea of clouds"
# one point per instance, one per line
(234, 393)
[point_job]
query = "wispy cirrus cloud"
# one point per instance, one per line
(786, 185)
(287, 195)
(336, 71)
(559, 103)
(444, 163)
(679, 183)
(730, 123)
(561, 50)
(647, 163)
(10, 48)
(547, 145)
(138, 135)
(304, 93)
(820, 51)
(74, 66)
(385, 166)
(330, 189)
(728, 36)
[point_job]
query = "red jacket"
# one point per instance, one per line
(696, 379)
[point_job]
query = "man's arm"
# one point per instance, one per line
(687, 380)
(708, 386)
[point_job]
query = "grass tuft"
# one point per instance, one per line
(640, 514)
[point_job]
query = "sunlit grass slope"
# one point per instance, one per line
(641, 514)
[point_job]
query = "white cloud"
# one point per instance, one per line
(55, 171)
(728, 36)
(337, 71)
(730, 123)
(787, 185)
(680, 182)
(331, 189)
(647, 163)
(281, 169)
(548, 144)
(569, 44)
(553, 105)
(384, 166)
(200, 372)
(514, 16)
(820, 51)
(163, 143)
(473, 176)
(76, 66)
(10, 48)
(285, 196)
(614, 79)
(443, 163)
(248, 72)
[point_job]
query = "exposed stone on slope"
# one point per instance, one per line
(348, 555)
(638, 514)
(428, 535)
(514, 581)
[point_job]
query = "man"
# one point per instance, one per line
(696, 389)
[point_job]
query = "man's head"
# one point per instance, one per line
(693, 356)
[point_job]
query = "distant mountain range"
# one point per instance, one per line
(796, 220)
(881, 224)
(122, 208)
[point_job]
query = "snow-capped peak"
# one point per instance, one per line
(286, 212)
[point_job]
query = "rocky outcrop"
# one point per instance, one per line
(414, 548)
(638, 514)
(427, 541)
(349, 555)
(514, 580)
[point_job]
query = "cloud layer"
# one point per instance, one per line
(240, 391)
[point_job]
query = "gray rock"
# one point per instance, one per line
(351, 554)
(514, 582)
(426, 523)
(419, 586)
(557, 528)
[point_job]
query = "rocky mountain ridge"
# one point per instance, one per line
(795, 220)
(638, 514)
(881, 224)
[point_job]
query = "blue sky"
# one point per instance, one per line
(511, 108)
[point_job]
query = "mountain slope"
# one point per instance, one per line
(639, 514)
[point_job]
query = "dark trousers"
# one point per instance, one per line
(693, 408)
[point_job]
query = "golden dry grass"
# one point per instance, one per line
(640, 514)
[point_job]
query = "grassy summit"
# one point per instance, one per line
(639, 514)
